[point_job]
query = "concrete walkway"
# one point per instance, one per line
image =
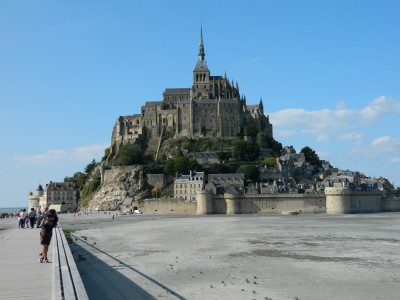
(22, 276)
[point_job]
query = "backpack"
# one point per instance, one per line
(49, 224)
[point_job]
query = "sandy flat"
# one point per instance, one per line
(238, 257)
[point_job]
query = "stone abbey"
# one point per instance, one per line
(212, 107)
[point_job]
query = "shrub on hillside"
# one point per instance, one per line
(129, 155)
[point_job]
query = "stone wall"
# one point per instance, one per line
(341, 200)
(278, 203)
(157, 180)
(335, 200)
(238, 204)
(391, 202)
(167, 206)
(111, 174)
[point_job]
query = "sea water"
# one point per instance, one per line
(10, 210)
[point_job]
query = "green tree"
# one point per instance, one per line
(246, 151)
(194, 164)
(79, 178)
(90, 167)
(311, 156)
(275, 145)
(220, 169)
(106, 153)
(181, 165)
(251, 172)
(239, 150)
(250, 130)
(262, 140)
(270, 162)
(252, 151)
(129, 155)
(169, 167)
(153, 168)
(224, 155)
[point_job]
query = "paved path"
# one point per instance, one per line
(21, 274)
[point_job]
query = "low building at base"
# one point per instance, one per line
(61, 196)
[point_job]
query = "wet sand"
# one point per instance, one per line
(237, 257)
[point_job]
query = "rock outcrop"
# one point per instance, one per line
(118, 183)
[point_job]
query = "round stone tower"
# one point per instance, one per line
(34, 199)
(338, 200)
(231, 197)
(204, 203)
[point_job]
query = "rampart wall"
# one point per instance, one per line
(237, 204)
(333, 201)
(167, 206)
(341, 200)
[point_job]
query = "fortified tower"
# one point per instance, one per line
(338, 200)
(34, 199)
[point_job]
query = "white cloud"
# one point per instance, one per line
(284, 133)
(323, 137)
(385, 144)
(353, 136)
(254, 59)
(323, 154)
(395, 160)
(325, 123)
(317, 121)
(61, 156)
(378, 147)
(380, 107)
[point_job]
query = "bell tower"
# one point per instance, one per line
(201, 74)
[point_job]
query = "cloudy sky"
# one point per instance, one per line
(327, 72)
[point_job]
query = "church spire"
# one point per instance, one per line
(201, 73)
(201, 45)
(201, 65)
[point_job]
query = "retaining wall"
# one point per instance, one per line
(335, 200)
(167, 206)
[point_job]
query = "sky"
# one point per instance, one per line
(328, 73)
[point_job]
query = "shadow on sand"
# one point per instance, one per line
(103, 281)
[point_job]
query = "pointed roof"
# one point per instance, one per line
(201, 63)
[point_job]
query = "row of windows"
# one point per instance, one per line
(201, 77)
(185, 185)
(60, 198)
(180, 192)
(61, 192)
(177, 98)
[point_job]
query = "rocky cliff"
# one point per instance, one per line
(118, 183)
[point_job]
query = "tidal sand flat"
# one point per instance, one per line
(237, 257)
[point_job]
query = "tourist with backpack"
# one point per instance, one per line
(48, 223)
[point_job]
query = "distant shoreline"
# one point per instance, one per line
(10, 209)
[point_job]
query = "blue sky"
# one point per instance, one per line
(327, 71)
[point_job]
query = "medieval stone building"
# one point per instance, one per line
(61, 196)
(212, 107)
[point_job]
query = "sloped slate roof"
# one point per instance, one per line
(201, 66)
(127, 201)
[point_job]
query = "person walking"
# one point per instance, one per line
(21, 216)
(32, 217)
(49, 222)
(39, 217)
(44, 215)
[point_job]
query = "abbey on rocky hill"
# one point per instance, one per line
(212, 107)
